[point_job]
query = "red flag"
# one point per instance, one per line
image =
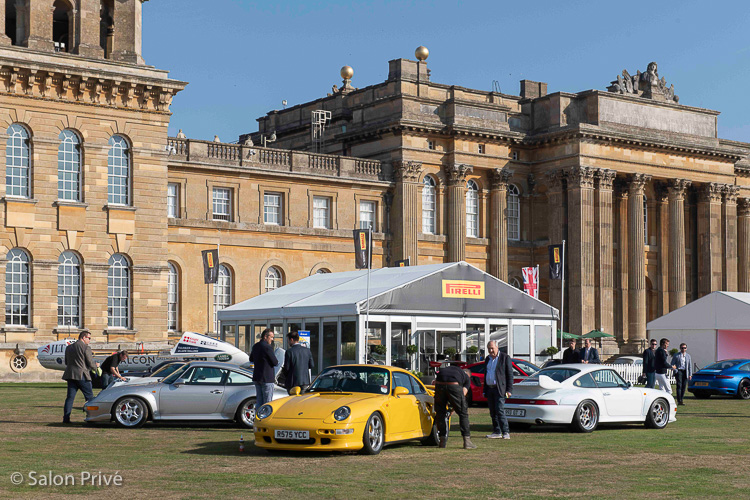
(531, 281)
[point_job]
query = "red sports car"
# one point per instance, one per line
(521, 370)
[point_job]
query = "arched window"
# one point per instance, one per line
(17, 288)
(173, 297)
(472, 209)
(62, 26)
(17, 172)
(514, 213)
(69, 167)
(69, 290)
(428, 205)
(273, 279)
(322, 271)
(118, 171)
(118, 292)
(222, 293)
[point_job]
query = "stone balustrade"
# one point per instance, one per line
(236, 155)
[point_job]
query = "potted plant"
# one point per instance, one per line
(551, 351)
(449, 352)
(472, 352)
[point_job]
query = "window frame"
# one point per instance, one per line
(222, 289)
(279, 208)
(514, 212)
(18, 132)
(18, 264)
(173, 200)
(69, 170)
(114, 146)
(327, 222)
(119, 261)
(472, 201)
(373, 214)
(279, 277)
(217, 216)
(74, 270)
(429, 195)
(173, 291)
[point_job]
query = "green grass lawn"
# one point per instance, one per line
(703, 454)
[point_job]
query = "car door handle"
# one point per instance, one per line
(217, 392)
(606, 393)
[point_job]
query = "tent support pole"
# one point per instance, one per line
(562, 297)
(369, 265)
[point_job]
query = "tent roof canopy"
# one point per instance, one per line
(415, 290)
(715, 311)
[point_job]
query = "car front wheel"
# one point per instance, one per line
(246, 413)
(658, 414)
(374, 435)
(130, 412)
(586, 417)
(743, 391)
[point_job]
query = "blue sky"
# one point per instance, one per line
(242, 58)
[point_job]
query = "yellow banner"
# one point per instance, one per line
(457, 289)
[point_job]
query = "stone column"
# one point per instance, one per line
(4, 39)
(662, 235)
(499, 222)
(128, 28)
(637, 268)
(455, 176)
(581, 245)
(743, 245)
(40, 27)
(621, 265)
(709, 238)
(604, 251)
(556, 219)
(677, 269)
(405, 213)
(88, 26)
(729, 219)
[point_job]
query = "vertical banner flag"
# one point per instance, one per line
(531, 281)
(361, 248)
(210, 266)
(555, 262)
(403, 263)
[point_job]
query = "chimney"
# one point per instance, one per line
(532, 90)
(404, 69)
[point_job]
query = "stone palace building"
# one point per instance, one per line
(105, 216)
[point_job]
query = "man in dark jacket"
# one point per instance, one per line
(451, 386)
(571, 355)
(110, 370)
(79, 362)
(588, 353)
(662, 364)
(298, 362)
(498, 385)
(264, 360)
(649, 364)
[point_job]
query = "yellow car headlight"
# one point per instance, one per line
(342, 413)
(264, 412)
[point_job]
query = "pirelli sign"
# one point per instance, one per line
(458, 289)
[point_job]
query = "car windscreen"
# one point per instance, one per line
(352, 379)
(556, 374)
(723, 365)
(527, 367)
(175, 375)
(166, 370)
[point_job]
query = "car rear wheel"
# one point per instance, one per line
(743, 391)
(130, 412)
(658, 414)
(701, 395)
(586, 417)
(374, 435)
(246, 413)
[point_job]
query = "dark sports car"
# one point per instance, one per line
(730, 377)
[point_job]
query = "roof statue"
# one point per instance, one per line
(647, 85)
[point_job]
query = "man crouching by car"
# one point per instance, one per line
(451, 386)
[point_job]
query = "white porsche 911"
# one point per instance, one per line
(585, 395)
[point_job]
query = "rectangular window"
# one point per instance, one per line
(222, 204)
(272, 208)
(321, 212)
(173, 200)
(514, 155)
(431, 145)
(481, 149)
(367, 214)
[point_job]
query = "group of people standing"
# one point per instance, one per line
(656, 365)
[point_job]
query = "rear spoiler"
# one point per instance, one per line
(542, 381)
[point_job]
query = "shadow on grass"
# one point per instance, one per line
(231, 448)
(210, 425)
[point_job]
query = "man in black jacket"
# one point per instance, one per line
(588, 353)
(451, 386)
(662, 365)
(571, 355)
(498, 385)
(298, 362)
(649, 365)
(264, 360)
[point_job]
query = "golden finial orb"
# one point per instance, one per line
(422, 53)
(347, 72)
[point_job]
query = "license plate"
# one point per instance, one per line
(514, 413)
(296, 435)
(701, 384)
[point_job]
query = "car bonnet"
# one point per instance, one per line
(320, 405)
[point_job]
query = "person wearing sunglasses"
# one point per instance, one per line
(649, 364)
(683, 372)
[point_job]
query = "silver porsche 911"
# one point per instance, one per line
(199, 390)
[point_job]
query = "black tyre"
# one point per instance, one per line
(130, 412)
(743, 391)
(658, 414)
(374, 436)
(245, 415)
(701, 395)
(432, 439)
(586, 417)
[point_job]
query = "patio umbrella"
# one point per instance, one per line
(567, 335)
(596, 334)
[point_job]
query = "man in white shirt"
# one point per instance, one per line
(683, 371)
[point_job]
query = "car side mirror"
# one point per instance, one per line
(178, 383)
(400, 391)
(295, 391)
(629, 384)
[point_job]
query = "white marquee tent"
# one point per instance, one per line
(714, 327)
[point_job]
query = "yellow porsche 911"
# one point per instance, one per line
(350, 407)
